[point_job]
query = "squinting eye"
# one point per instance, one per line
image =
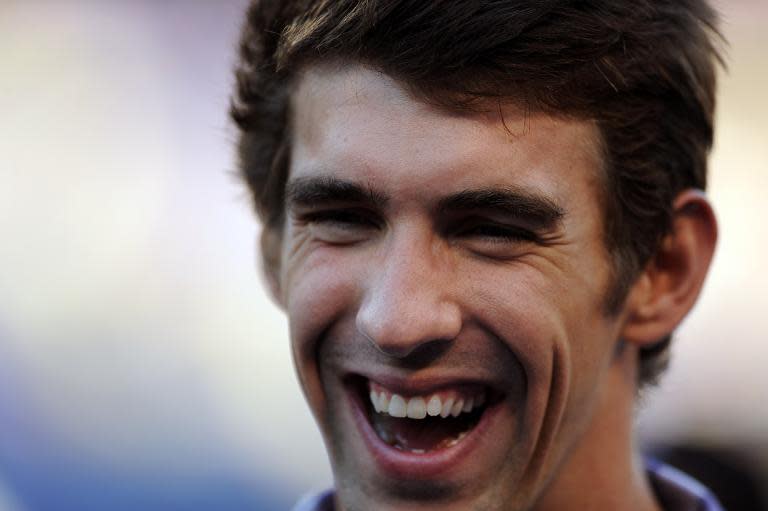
(343, 219)
(339, 226)
(496, 233)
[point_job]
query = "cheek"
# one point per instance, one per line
(319, 289)
(549, 315)
(318, 292)
(580, 337)
(554, 326)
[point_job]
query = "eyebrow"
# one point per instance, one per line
(314, 190)
(537, 210)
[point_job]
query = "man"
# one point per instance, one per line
(484, 220)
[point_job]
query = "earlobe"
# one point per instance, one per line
(671, 281)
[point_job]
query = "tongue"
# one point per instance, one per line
(426, 434)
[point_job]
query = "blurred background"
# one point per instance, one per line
(142, 365)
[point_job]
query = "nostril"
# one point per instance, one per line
(425, 354)
(411, 351)
(417, 331)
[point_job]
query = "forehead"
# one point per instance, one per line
(358, 124)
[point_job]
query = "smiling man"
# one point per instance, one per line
(484, 221)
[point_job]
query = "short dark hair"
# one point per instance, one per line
(643, 70)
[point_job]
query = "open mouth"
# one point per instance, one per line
(427, 422)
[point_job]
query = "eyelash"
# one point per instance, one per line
(496, 233)
(352, 219)
(343, 218)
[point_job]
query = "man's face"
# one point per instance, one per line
(450, 268)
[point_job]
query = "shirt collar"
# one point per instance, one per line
(675, 491)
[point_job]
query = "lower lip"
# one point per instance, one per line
(429, 465)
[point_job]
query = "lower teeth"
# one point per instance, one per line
(458, 439)
(448, 442)
(423, 435)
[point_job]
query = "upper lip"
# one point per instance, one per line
(420, 385)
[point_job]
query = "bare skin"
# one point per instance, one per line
(424, 251)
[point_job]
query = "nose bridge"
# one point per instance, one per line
(408, 302)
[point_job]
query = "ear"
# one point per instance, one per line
(670, 283)
(271, 244)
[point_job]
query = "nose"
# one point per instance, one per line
(407, 304)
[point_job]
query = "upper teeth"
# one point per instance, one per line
(418, 407)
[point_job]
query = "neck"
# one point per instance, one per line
(606, 459)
